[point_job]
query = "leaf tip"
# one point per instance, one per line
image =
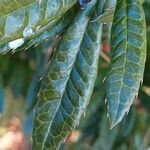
(118, 118)
(114, 123)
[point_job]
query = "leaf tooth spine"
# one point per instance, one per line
(84, 114)
(13, 51)
(38, 95)
(141, 82)
(105, 100)
(107, 115)
(127, 112)
(40, 78)
(136, 96)
(64, 141)
(77, 123)
(103, 80)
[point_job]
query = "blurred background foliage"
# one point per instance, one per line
(20, 81)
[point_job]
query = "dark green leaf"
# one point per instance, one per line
(69, 82)
(128, 43)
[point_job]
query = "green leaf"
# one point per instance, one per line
(69, 82)
(128, 44)
(24, 20)
(52, 32)
(106, 17)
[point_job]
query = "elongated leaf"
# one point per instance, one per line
(24, 20)
(69, 82)
(128, 43)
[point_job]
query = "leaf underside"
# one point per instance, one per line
(28, 19)
(128, 42)
(69, 82)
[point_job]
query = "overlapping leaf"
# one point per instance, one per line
(23, 20)
(69, 82)
(128, 43)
